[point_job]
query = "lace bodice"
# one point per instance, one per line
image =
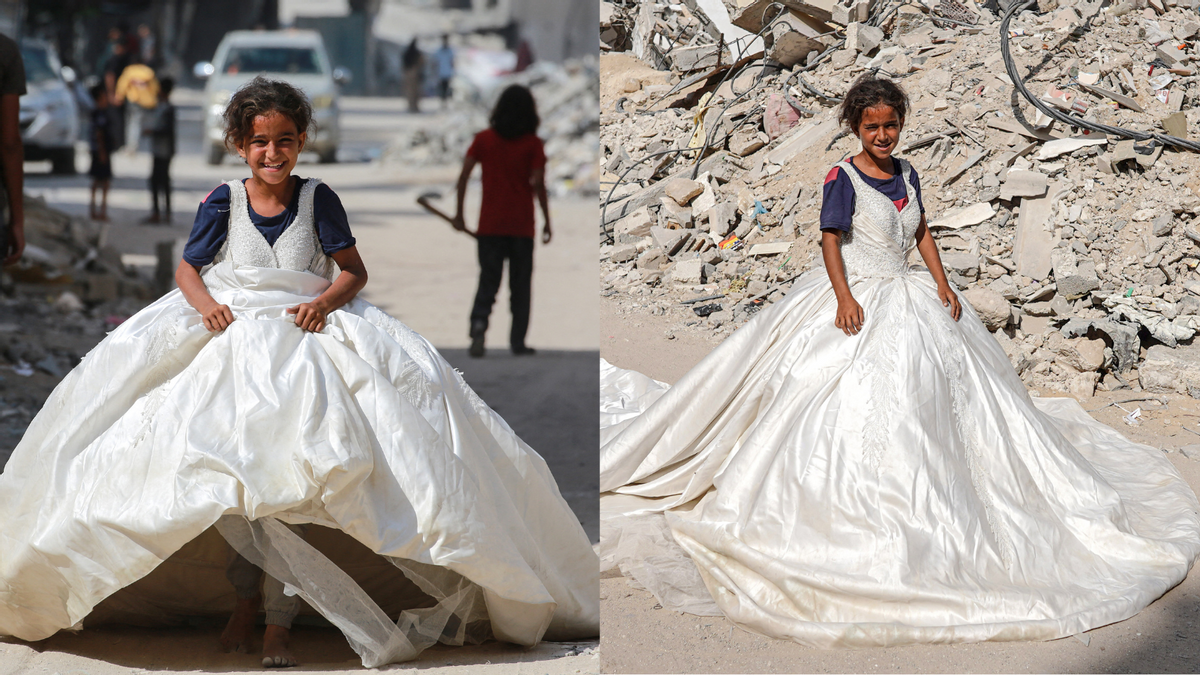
(298, 248)
(880, 237)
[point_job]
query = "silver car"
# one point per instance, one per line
(49, 114)
(297, 57)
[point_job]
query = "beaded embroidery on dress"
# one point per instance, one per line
(166, 431)
(895, 486)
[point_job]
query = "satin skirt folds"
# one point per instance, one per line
(164, 428)
(892, 487)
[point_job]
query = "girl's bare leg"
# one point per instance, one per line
(275, 648)
(104, 200)
(237, 633)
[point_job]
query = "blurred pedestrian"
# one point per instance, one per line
(148, 46)
(137, 89)
(443, 58)
(115, 64)
(161, 130)
(102, 144)
(12, 152)
(414, 75)
(524, 56)
(513, 163)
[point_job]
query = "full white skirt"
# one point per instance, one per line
(893, 487)
(166, 429)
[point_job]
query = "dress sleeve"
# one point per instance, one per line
(333, 228)
(916, 183)
(837, 205)
(210, 229)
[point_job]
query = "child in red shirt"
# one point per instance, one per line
(514, 163)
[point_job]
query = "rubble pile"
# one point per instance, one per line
(1078, 250)
(58, 302)
(566, 99)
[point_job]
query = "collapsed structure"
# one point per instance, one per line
(1069, 225)
(68, 290)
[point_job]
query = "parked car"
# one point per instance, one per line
(49, 112)
(297, 57)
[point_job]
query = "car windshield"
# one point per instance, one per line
(37, 65)
(296, 60)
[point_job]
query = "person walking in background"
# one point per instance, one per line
(115, 64)
(139, 87)
(443, 58)
(161, 131)
(102, 145)
(147, 46)
(12, 152)
(513, 163)
(414, 75)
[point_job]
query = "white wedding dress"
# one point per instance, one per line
(897, 486)
(165, 429)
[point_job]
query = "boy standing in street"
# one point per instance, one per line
(514, 163)
(443, 58)
(102, 145)
(161, 131)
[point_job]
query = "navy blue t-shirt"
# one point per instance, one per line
(212, 223)
(837, 209)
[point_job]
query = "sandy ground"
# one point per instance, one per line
(425, 274)
(1165, 637)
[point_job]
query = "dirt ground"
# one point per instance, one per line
(1165, 637)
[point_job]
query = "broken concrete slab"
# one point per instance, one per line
(684, 190)
(1035, 238)
(773, 248)
(1176, 124)
(636, 224)
(1167, 370)
(1063, 146)
(863, 38)
(964, 166)
(1020, 183)
(1123, 100)
(802, 137)
(670, 241)
(964, 217)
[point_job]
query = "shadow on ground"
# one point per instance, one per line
(552, 401)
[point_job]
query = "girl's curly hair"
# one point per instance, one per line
(261, 96)
(515, 113)
(868, 92)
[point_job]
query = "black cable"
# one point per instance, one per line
(1063, 117)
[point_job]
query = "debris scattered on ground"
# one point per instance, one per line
(56, 304)
(1078, 248)
(567, 105)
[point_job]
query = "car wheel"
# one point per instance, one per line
(328, 156)
(216, 154)
(63, 161)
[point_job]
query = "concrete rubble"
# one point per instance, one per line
(1078, 250)
(566, 100)
(68, 290)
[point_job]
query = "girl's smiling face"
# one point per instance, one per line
(272, 148)
(879, 131)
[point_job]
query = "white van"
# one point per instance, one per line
(297, 57)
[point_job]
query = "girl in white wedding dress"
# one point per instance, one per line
(859, 465)
(264, 396)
